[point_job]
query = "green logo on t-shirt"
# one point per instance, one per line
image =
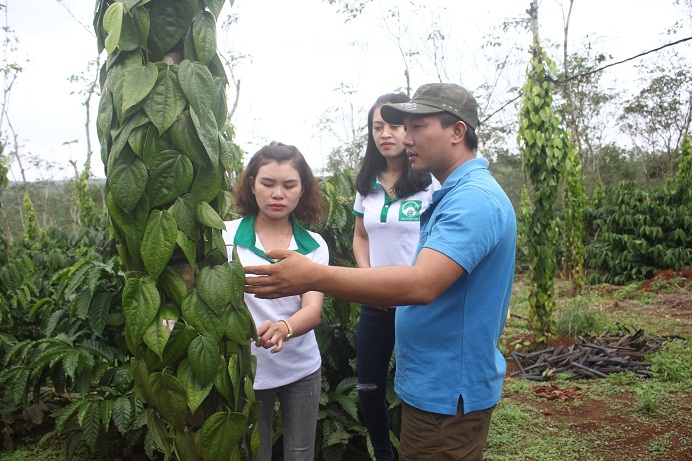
(410, 210)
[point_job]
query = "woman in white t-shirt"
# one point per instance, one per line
(390, 199)
(276, 189)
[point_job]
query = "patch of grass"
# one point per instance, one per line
(674, 363)
(669, 286)
(517, 435)
(579, 319)
(51, 450)
(658, 447)
(632, 292)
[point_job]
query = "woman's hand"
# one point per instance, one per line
(269, 335)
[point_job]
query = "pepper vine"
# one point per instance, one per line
(542, 144)
(162, 126)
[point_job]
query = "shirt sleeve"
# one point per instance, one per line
(358, 208)
(321, 254)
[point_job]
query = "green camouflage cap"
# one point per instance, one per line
(433, 98)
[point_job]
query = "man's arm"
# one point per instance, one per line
(421, 283)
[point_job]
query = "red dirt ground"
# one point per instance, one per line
(626, 434)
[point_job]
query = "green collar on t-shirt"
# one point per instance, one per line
(246, 236)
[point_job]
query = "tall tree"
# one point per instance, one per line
(574, 200)
(346, 125)
(657, 119)
(161, 123)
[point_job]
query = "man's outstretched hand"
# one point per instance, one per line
(290, 276)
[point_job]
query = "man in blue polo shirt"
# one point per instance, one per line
(454, 297)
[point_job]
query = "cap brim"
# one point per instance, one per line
(394, 113)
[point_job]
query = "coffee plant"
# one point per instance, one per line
(161, 123)
(640, 231)
(636, 231)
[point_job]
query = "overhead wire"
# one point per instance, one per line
(590, 72)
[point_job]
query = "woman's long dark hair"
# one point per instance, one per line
(410, 181)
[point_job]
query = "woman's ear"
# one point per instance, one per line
(252, 185)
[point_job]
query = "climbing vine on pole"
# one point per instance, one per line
(542, 143)
(573, 231)
(161, 123)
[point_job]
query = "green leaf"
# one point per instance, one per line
(222, 382)
(160, 329)
(153, 144)
(129, 34)
(208, 182)
(141, 303)
(132, 224)
(116, 79)
(136, 140)
(213, 284)
(220, 433)
(237, 286)
(91, 423)
(159, 432)
(80, 307)
(204, 36)
(183, 210)
(112, 24)
(170, 398)
(121, 139)
(99, 311)
(240, 326)
(106, 410)
(225, 204)
(203, 319)
(170, 174)
(130, 4)
(173, 285)
(196, 393)
(349, 404)
(176, 348)
(219, 104)
(189, 247)
(159, 241)
(186, 446)
(142, 24)
(140, 376)
(123, 414)
(235, 373)
(208, 133)
(104, 119)
(197, 84)
(185, 140)
(204, 357)
(138, 82)
(206, 215)
(169, 23)
(215, 6)
(220, 245)
(189, 47)
(127, 181)
(166, 101)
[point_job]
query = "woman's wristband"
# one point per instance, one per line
(289, 335)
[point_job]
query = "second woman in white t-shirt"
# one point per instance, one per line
(390, 199)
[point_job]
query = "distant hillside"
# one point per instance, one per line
(54, 202)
